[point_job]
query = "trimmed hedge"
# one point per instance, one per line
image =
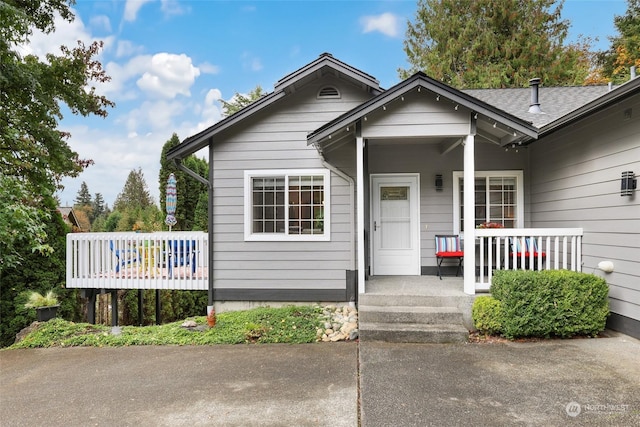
(487, 315)
(544, 303)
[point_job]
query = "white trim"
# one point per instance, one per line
(518, 174)
(249, 236)
(360, 145)
(415, 213)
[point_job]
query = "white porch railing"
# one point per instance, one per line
(164, 260)
(511, 249)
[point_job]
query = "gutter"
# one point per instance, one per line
(209, 183)
(343, 175)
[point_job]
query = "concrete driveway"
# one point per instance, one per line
(549, 383)
(553, 383)
(240, 385)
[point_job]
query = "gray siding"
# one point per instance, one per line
(576, 183)
(417, 116)
(275, 138)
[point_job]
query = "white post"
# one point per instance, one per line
(469, 214)
(360, 208)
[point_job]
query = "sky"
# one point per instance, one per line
(171, 61)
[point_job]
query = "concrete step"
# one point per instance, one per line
(409, 314)
(412, 332)
(415, 300)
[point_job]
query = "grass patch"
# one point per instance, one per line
(292, 324)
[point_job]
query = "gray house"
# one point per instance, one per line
(330, 180)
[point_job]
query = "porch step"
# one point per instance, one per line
(410, 314)
(413, 318)
(413, 332)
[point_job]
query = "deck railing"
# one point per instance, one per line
(163, 260)
(526, 249)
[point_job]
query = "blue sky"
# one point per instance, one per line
(172, 61)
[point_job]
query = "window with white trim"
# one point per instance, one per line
(287, 204)
(499, 198)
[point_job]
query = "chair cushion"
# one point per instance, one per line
(535, 254)
(455, 254)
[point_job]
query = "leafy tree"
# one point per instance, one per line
(493, 44)
(83, 198)
(239, 101)
(135, 193)
(22, 223)
(625, 47)
(33, 152)
(37, 273)
(189, 190)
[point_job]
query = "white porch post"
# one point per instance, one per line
(360, 208)
(469, 212)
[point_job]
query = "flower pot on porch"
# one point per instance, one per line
(46, 313)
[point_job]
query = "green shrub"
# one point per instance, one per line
(551, 303)
(487, 315)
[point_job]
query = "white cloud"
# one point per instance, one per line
(173, 7)
(163, 75)
(387, 24)
(66, 34)
(127, 48)
(168, 76)
(131, 9)
(207, 68)
(101, 22)
(153, 116)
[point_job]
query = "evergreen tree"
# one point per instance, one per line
(134, 194)
(98, 205)
(494, 44)
(625, 47)
(188, 189)
(83, 198)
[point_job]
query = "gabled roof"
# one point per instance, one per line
(555, 102)
(612, 97)
(324, 64)
(422, 81)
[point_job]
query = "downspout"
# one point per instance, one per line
(209, 184)
(343, 175)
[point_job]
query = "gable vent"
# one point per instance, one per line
(328, 92)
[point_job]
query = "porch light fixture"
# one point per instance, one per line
(439, 183)
(628, 184)
(456, 107)
(437, 97)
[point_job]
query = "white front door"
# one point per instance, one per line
(395, 225)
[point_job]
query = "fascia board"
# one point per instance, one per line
(199, 141)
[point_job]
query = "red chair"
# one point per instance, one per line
(448, 247)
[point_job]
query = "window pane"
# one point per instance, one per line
(268, 203)
(495, 200)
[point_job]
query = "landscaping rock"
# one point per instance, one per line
(340, 324)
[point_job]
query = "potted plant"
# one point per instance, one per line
(46, 305)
